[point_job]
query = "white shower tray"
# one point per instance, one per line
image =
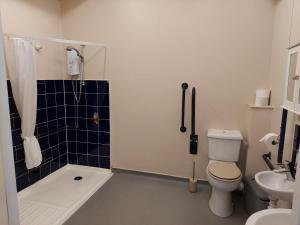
(54, 199)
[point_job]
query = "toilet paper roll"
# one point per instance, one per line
(270, 140)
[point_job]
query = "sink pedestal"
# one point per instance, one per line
(273, 204)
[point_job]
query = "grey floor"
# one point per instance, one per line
(130, 199)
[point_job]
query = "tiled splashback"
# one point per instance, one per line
(60, 139)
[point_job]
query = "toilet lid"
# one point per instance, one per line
(224, 170)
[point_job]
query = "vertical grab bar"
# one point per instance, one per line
(193, 136)
(282, 136)
(184, 88)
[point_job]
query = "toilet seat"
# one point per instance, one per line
(224, 171)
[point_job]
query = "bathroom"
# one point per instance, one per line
(115, 139)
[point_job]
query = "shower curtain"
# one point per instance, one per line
(21, 67)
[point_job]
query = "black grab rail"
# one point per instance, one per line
(184, 88)
(193, 136)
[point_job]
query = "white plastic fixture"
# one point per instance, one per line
(224, 145)
(276, 186)
(271, 217)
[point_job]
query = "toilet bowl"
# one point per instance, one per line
(224, 177)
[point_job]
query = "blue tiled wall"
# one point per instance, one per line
(88, 144)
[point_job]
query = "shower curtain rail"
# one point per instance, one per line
(57, 40)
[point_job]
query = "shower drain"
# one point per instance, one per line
(78, 178)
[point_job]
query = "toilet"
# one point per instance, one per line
(222, 172)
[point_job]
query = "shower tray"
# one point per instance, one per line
(54, 199)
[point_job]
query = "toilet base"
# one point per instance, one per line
(220, 203)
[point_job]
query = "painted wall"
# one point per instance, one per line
(37, 19)
(220, 47)
(282, 30)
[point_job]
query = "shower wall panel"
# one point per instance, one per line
(61, 140)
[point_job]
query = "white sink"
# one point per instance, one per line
(276, 185)
(271, 217)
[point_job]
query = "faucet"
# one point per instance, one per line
(288, 169)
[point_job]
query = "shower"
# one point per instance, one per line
(76, 68)
(76, 63)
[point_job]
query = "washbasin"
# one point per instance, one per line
(271, 217)
(276, 185)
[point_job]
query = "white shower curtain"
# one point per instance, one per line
(21, 66)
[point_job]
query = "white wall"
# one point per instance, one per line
(38, 19)
(220, 47)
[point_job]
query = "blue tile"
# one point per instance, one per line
(91, 110)
(63, 160)
(68, 86)
(62, 147)
(50, 86)
(20, 154)
(104, 138)
(81, 98)
(34, 175)
(59, 85)
(82, 136)
(12, 106)
(17, 122)
(41, 101)
(82, 148)
(42, 130)
(72, 135)
(16, 138)
(20, 168)
(62, 136)
(104, 125)
(41, 88)
(45, 169)
(61, 123)
(93, 137)
(93, 161)
(50, 100)
(70, 100)
(72, 147)
(103, 100)
(91, 87)
(103, 112)
(54, 165)
(104, 150)
(52, 126)
(47, 155)
(51, 113)
(9, 90)
(44, 142)
(103, 86)
(72, 158)
(60, 99)
(60, 112)
(82, 160)
(41, 116)
(22, 182)
(71, 123)
(55, 153)
(93, 148)
(53, 140)
(82, 111)
(105, 162)
(82, 123)
(70, 110)
(92, 99)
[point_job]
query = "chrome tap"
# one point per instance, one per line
(288, 169)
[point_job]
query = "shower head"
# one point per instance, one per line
(77, 51)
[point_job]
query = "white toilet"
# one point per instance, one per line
(223, 174)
